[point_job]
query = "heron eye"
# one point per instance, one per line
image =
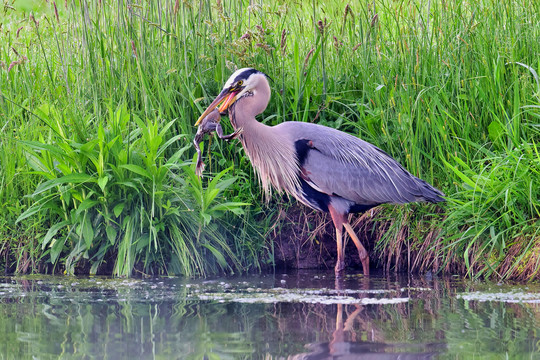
(240, 83)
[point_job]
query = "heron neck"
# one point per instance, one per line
(243, 116)
(270, 152)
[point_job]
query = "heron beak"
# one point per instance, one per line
(227, 96)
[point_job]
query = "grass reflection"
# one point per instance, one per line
(67, 317)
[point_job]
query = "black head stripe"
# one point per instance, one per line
(245, 74)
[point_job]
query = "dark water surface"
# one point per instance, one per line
(306, 315)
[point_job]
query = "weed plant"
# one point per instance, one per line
(99, 102)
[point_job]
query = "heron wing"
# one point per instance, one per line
(339, 164)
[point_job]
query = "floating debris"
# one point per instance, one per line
(507, 297)
(415, 289)
(308, 296)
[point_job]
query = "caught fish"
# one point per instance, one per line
(207, 126)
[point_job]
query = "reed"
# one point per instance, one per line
(450, 89)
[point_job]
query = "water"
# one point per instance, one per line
(306, 315)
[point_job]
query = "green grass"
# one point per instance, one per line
(99, 96)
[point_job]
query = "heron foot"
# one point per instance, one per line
(340, 267)
(364, 259)
(362, 252)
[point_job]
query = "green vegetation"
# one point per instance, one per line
(99, 102)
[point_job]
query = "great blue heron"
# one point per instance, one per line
(323, 168)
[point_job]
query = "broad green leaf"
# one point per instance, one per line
(87, 231)
(128, 184)
(52, 232)
(77, 195)
(206, 218)
(169, 143)
(118, 209)
(94, 267)
(56, 249)
(142, 242)
(102, 182)
(215, 181)
(218, 255)
(166, 127)
(177, 155)
(226, 183)
(39, 164)
(35, 208)
(111, 234)
(46, 147)
(86, 204)
(88, 147)
(137, 170)
(235, 207)
(68, 179)
(210, 195)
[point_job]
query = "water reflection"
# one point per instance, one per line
(356, 336)
(344, 342)
(305, 315)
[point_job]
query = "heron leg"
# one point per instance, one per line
(362, 252)
(339, 220)
(338, 336)
(340, 264)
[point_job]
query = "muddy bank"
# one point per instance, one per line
(305, 239)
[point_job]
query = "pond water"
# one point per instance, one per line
(302, 315)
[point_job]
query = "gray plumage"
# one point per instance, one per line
(322, 167)
(353, 171)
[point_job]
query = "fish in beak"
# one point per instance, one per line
(227, 96)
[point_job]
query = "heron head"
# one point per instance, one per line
(241, 83)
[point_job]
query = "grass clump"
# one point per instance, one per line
(112, 194)
(100, 102)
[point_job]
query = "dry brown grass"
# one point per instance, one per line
(528, 267)
(306, 239)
